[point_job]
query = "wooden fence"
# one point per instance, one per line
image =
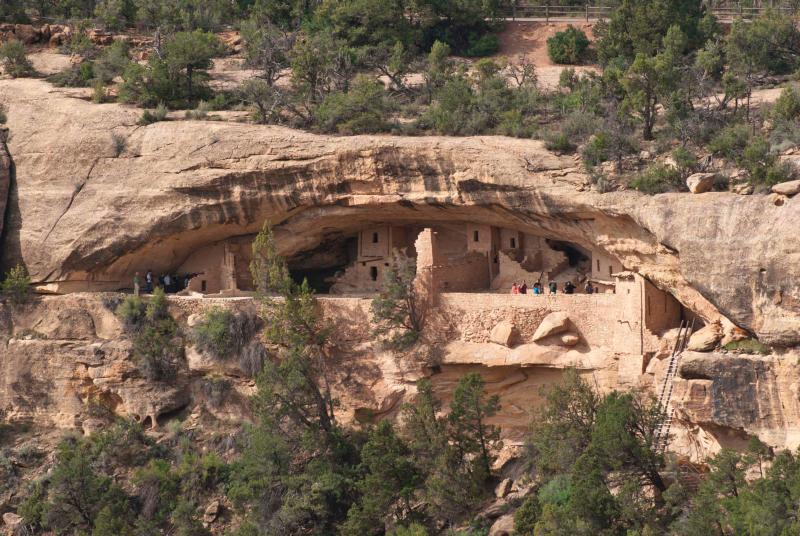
(522, 10)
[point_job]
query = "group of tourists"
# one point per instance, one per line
(538, 288)
(168, 282)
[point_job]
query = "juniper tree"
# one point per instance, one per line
(399, 311)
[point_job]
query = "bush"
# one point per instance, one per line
(3, 114)
(154, 332)
(558, 142)
(199, 113)
(17, 285)
(99, 93)
(569, 47)
(748, 346)
(80, 75)
(731, 141)
(14, 61)
(132, 313)
(221, 333)
(596, 151)
(154, 116)
(485, 45)
(787, 106)
(112, 62)
(361, 110)
(658, 179)
(252, 358)
(685, 160)
(119, 141)
(212, 334)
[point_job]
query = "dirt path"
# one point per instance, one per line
(528, 40)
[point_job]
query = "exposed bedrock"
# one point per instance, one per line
(83, 216)
(729, 394)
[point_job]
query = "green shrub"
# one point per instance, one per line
(3, 114)
(748, 346)
(558, 142)
(569, 47)
(527, 515)
(212, 334)
(16, 286)
(149, 117)
(658, 179)
(784, 135)
(155, 347)
(14, 60)
(221, 333)
(199, 113)
(731, 141)
(112, 62)
(81, 75)
(787, 106)
(132, 313)
(580, 126)
(685, 160)
(596, 151)
(485, 45)
(361, 110)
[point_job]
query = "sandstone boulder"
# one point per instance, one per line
(788, 188)
(11, 520)
(504, 333)
(743, 189)
(211, 512)
(705, 339)
(553, 324)
(503, 488)
(26, 33)
(700, 183)
(569, 339)
(504, 526)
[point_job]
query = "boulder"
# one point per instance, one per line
(743, 189)
(788, 188)
(504, 333)
(503, 488)
(705, 339)
(553, 324)
(26, 33)
(700, 183)
(11, 520)
(211, 512)
(569, 339)
(504, 526)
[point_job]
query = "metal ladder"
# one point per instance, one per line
(661, 439)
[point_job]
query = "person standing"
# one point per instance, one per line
(148, 282)
(136, 284)
(524, 288)
(553, 287)
(167, 283)
(569, 288)
(589, 288)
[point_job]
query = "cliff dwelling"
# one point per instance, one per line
(461, 257)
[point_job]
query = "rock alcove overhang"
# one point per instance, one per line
(78, 211)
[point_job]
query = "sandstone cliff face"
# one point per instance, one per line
(5, 176)
(83, 213)
(65, 362)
